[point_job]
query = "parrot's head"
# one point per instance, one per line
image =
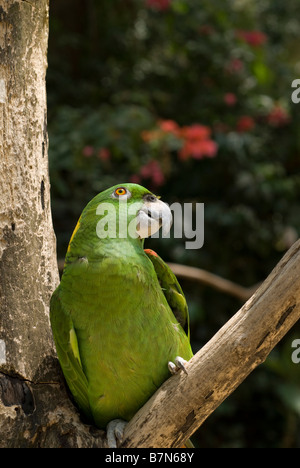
(125, 211)
(130, 209)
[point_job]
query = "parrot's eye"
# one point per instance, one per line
(120, 191)
(150, 198)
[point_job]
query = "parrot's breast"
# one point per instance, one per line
(126, 332)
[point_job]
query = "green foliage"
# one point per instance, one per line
(192, 100)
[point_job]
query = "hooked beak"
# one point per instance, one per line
(151, 217)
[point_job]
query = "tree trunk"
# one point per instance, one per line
(35, 410)
(27, 249)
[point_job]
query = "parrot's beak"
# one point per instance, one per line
(151, 217)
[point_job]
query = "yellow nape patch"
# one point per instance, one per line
(74, 232)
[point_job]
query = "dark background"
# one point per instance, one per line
(192, 100)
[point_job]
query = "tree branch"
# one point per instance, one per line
(215, 281)
(184, 402)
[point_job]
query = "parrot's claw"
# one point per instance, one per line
(179, 365)
(115, 432)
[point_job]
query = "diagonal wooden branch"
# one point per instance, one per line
(184, 402)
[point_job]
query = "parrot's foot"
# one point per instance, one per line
(179, 365)
(115, 431)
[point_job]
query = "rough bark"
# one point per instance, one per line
(27, 247)
(35, 410)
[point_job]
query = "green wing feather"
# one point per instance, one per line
(171, 289)
(68, 353)
(175, 298)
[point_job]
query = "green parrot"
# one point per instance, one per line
(119, 317)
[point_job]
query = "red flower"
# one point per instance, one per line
(165, 126)
(196, 132)
(198, 149)
(159, 5)
(230, 99)
(196, 143)
(104, 154)
(278, 117)
(169, 126)
(152, 171)
(88, 151)
(245, 124)
(209, 148)
(253, 38)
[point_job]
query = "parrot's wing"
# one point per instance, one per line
(171, 289)
(68, 352)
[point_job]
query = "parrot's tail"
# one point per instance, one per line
(188, 444)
